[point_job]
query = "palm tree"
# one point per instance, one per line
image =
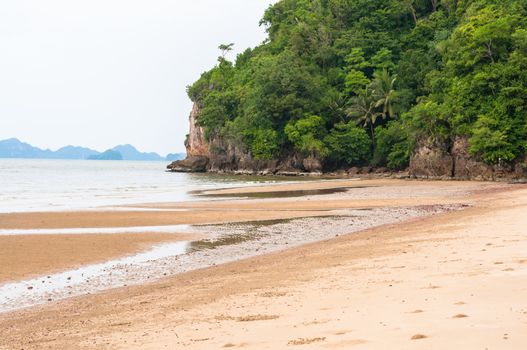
(384, 92)
(376, 101)
(363, 110)
(224, 48)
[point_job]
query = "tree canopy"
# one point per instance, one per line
(401, 69)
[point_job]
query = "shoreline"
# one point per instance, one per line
(206, 246)
(366, 173)
(221, 211)
(393, 192)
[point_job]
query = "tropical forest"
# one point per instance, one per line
(364, 82)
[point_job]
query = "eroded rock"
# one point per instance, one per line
(431, 159)
(194, 164)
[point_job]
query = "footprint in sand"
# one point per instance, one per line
(272, 294)
(231, 345)
(418, 336)
(315, 322)
(305, 341)
(418, 311)
(431, 286)
(251, 318)
(247, 318)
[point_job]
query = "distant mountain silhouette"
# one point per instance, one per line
(74, 152)
(107, 155)
(129, 152)
(14, 148)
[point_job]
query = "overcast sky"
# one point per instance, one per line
(99, 73)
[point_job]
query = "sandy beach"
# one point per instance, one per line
(447, 270)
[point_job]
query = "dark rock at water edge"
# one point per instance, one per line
(192, 164)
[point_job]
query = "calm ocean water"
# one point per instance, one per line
(41, 185)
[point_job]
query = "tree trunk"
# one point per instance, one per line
(372, 130)
(414, 16)
(489, 51)
(434, 5)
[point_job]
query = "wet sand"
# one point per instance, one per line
(454, 280)
(26, 256)
(103, 219)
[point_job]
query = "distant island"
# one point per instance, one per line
(14, 148)
(107, 155)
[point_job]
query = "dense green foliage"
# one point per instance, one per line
(402, 70)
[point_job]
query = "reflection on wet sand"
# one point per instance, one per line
(279, 194)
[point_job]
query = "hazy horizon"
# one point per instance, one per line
(103, 73)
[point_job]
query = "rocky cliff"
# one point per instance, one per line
(218, 155)
(197, 147)
(196, 144)
(431, 159)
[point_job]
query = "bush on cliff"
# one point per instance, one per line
(348, 145)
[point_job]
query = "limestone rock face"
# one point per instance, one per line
(520, 169)
(431, 159)
(312, 164)
(197, 147)
(437, 160)
(465, 167)
(196, 144)
(222, 156)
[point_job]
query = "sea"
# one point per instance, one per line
(55, 185)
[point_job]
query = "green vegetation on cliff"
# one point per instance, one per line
(354, 82)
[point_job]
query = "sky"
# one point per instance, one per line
(104, 72)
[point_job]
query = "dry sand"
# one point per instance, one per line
(453, 281)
